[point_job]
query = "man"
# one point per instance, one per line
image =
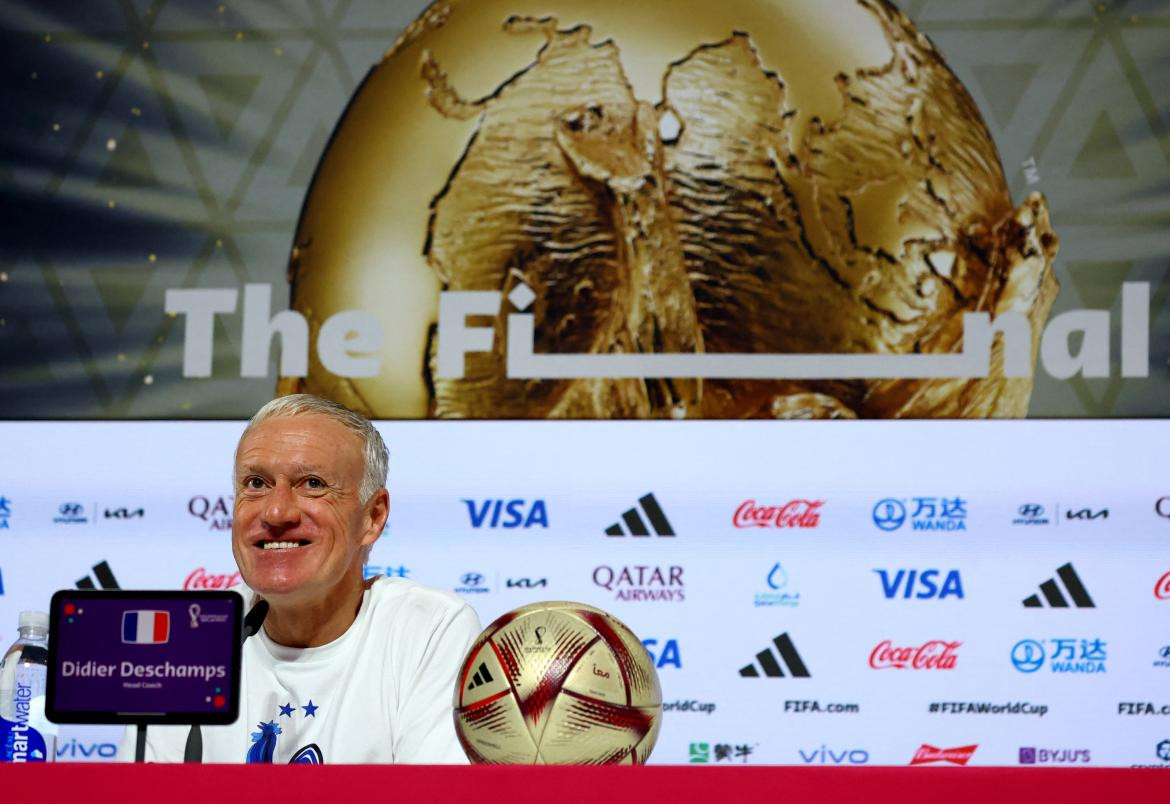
(344, 670)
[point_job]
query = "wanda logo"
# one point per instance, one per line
(793, 514)
(1162, 587)
(955, 756)
(202, 579)
(934, 655)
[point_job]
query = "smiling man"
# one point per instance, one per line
(344, 670)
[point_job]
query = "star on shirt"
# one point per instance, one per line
(287, 709)
(310, 710)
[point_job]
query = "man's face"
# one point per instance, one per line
(299, 528)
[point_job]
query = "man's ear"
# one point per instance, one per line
(377, 509)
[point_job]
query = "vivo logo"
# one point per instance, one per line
(827, 756)
(507, 513)
(73, 749)
(920, 584)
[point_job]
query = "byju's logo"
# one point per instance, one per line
(472, 583)
(1031, 514)
(507, 513)
(70, 513)
(924, 513)
(1062, 655)
(780, 594)
(770, 661)
(641, 582)
(5, 512)
(920, 584)
(669, 655)
(105, 577)
(792, 514)
(1053, 595)
(215, 511)
(828, 756)
(1054, 756)
(635, 523)
(1086, 514)
(1162, 587)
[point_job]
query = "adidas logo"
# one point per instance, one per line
(637, 526)
(105, 578)
(767, 660)
(481, 677)
(1056, 599)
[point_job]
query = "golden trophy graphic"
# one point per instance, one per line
(671, 209)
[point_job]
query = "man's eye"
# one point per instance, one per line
(315, 483)
(254, 483)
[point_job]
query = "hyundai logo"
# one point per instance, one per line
(1028, 655)
(471, 579)
(70, 509)
(1162, 507)
(1165, 652)
(1031, 510)
(889, 514)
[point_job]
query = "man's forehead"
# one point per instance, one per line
(300, 434)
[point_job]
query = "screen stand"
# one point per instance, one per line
(193, 751)
(140, 747)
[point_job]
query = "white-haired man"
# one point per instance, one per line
(344, 670)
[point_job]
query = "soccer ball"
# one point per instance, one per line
(558, 683)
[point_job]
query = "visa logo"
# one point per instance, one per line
(507, 513)
(922, 585)
(669, 655)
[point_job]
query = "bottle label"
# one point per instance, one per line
(19, 741)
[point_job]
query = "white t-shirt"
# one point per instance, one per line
(381, 692)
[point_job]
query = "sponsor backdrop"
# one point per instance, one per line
(820, 599)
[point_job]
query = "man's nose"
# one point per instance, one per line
(281, 509)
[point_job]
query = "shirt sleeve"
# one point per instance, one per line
(427, 733)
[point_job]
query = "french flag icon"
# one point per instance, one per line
(146, 627)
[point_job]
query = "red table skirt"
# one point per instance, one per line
(284, 784)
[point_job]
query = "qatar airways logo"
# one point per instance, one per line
(792, 514)
(202, 579)
(1162, 587)
(934, 655)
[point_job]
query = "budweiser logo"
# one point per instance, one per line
(202, 579)
(955, 756)
(1162, 587)
(793, 514)
(934, 655)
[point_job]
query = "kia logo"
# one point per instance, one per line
(889, 514)
(1031, 510)
(471, 579)
(1162, 507)
(1028, 655)
(70, 509)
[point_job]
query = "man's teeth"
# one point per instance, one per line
(280, 545)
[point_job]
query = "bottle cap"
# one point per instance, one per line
(34, 619)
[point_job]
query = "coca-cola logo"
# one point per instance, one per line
(955, 756)
(792, 514)
(202, 579)
(1162, 587)
(934, 655)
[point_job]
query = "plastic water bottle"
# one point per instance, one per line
(25, 734)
